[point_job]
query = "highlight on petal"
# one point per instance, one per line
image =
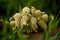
(17, 17)
(26, 10)
(38, 13)
(33, 10)
(24, 20)
(33, 20)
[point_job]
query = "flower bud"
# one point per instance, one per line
(34, 24)
(17, 17)
(25, 10)
(13, 24)
(33, 10)
(33, 20)
(42, 24)
(24, 20)
(33, 28)
(45, 18)
(38, 14)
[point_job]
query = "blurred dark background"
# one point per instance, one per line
(9, 7)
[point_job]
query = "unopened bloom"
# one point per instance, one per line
(33, 10)
(38, 14)
(25, 10)
(42, 24)
(13, 24)
(33, 20)
(45, 18)
(24, 20)
(17, 17)
(34, 26)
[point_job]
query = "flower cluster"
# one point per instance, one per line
(29, 17)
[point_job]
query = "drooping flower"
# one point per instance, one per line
(17, 16)
(45, 18)
(25, 10)
(24, 20)
(33, 20)
(33, 10)
(42, 24)
(13, 24)
(38, 14)
(34, 26)
(17, 19)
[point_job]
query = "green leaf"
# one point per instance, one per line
(51, 19)
(55, 36)
(53, 23)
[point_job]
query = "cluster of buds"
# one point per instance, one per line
(29, 17)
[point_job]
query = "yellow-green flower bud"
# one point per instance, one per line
(13, 24)
(38, 14)
(33, 10)
(24, 20)
(33, 20)
(34, 26)
(42, 24)
(45, 18)
(17, 17)
(26, 10)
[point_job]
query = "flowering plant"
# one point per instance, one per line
(29, 19)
